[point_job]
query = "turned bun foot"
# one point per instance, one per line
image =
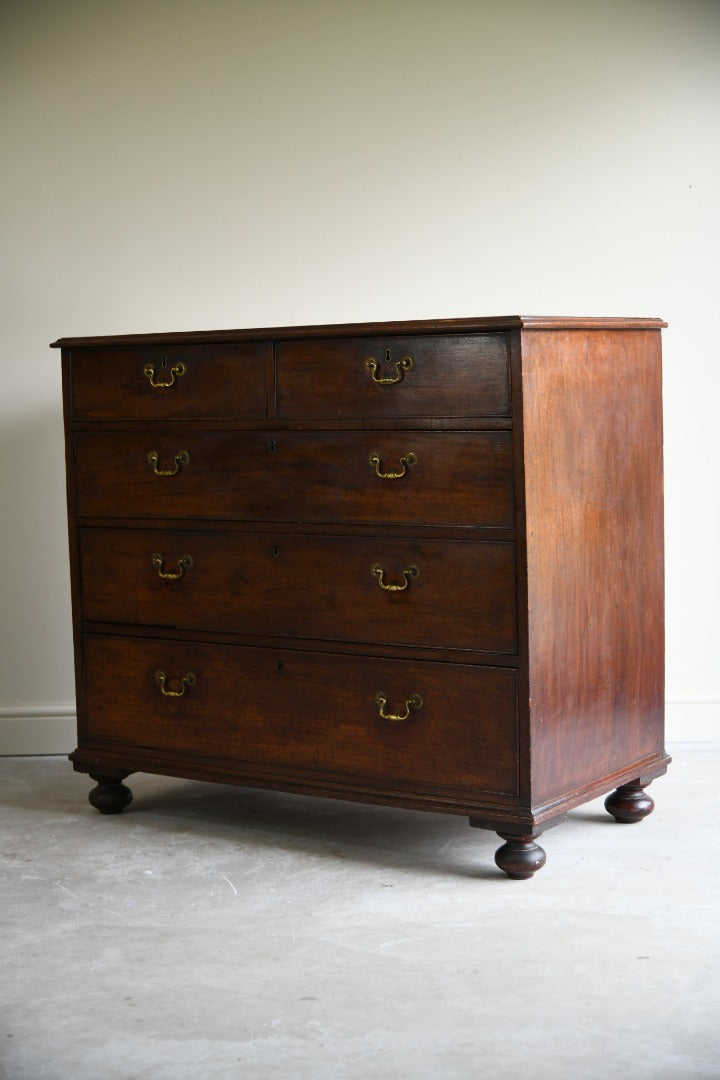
(111, 795)
(629, 803)
(519, 856)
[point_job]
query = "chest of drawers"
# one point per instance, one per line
(417, 564)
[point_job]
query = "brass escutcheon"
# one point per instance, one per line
(185, 683)
(414, 702)
(401, 366)
(184, 563)
(406, 461)
(379, 573)
(176, 371)
(181, 458)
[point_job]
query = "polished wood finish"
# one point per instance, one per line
(592, 459)
(630, 803)
(308, 712)
(217, 381)
(434, 584)
(491, 324)
(460, 596)
(110, 795)
(520, 857)
(292, 476)
(459, 376)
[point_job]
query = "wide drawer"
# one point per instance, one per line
(385, 477)
(171, 382)
(445, 724)
(430, 376)
(442, 594)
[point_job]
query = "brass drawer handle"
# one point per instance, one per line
(411, 572)
(401, 366)
(414, 702)
(186, 682)
(176, 371)
(184, 563)
(405, 461)
(181, 458)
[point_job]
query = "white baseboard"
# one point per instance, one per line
(50, 729)
(37, 729)
(693, 720)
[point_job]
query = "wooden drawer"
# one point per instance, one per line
(195, 382)
(307, 710)
(432, 376)
(455, 595)
(449, 478)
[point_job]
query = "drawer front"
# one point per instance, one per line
(308, 710)
(196, 382)
(442, 594)
(383, 477)
(451, 376)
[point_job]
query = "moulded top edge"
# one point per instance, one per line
(426, 326)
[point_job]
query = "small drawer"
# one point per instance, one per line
(417, 593)
(439, 724)
(380, 477)
(365, 378)
(170, 382)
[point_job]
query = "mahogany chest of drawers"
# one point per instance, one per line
(417, 564)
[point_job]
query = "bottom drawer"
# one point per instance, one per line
(451, 725)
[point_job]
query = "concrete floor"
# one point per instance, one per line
(215, 933)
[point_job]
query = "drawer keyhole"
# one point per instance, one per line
(176, 372)
(401, 366)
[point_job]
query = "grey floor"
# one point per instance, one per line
(212, 932)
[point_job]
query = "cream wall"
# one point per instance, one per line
(178, 165)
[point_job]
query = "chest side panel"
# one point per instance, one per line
(592, 419)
